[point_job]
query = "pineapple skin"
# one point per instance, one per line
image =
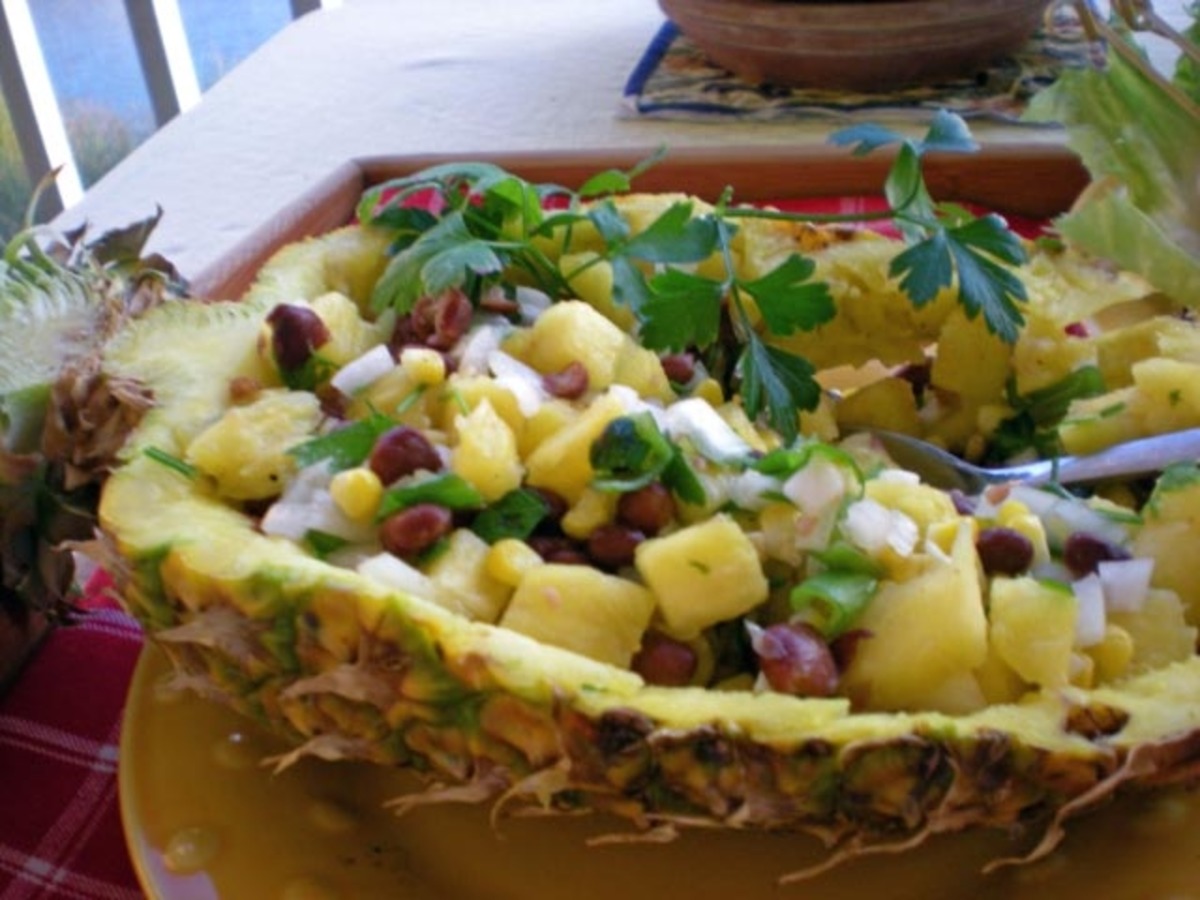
(346, 669)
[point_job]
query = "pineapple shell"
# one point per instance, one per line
(345, 668)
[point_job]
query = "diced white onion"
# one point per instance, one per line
(1126, 583)
(307, 506)
(532, 302)
(816, 487)
(363, 371)
(900, 476)
(872, 527)
(524, 382)
(396, 573)
(476, 347)
(696, 420)
(1090, 618)
(751, 490)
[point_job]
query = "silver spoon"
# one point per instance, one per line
(1143, 456)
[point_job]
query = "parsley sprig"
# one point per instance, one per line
(472, 226)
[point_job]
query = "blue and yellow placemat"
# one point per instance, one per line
(674, 80)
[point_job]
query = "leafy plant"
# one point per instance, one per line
(472, 225)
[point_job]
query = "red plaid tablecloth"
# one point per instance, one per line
(60, 724)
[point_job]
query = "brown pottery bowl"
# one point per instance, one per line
(859, 45)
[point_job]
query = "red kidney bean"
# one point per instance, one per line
(296, 331)
(665, 661)
(416, 528)
(570, 383)
(1004, 551)
(613, 546)
(558, 549)
(795, 659)
(451, 319)
(679, 367)
(1084, 551)
(648, 509)
(401, 451)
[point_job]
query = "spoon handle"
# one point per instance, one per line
(1143, 456)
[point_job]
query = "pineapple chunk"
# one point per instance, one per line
(971, 361)
(573, 331)
(1160, 633)
(703, 574)
(1168, 394)
(245, 451)
(562, 462)
(1093, 423)
(581, 609)
(591, 278)
(461, 572)
(641, 369)
(486, 452)
(1169, 535)
(926, 634)
(463, 393)
(1033, 628)
(887, 403)
(350, 336)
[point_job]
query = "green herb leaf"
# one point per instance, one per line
(681, 479)
(787, 300)
(322, 543)
(450, 490)
(344, 448)
(680, 310)
(186, 469)
(630, 453)
(676, 236)
(832, 601)
(515, 515)
(778, 383)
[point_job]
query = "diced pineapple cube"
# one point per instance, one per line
(350, 335)
(551, 417)
(245, 451)
(424, 365)
(562, 462)
(1093, 423)
(509, 559)
(357, 492)
(395, 394)
(702, 574)
(581, 609)
(924, 633)
(1160, 633)
(591, 278)
(971, 361)
(925, 505)
(1168, 394)
(1033, 628)
(463, 393)
(593, 509)
(572, 331)
(641, 369)
(888, 403)
(1113, 655)
(461, 572)
(486, 453)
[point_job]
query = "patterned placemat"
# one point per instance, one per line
(674, 80)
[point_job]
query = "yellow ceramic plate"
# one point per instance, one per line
(205, 818)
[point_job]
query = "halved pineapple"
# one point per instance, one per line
(345, 666)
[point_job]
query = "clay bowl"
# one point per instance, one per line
(856, 45)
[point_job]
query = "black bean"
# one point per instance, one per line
(1004, 551)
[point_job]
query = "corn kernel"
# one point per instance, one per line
(710, 389)
(1113, 654)
(593, 509)
(424, 365)
(356, 492)
(509, 559)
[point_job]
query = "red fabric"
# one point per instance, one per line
(60, 823)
